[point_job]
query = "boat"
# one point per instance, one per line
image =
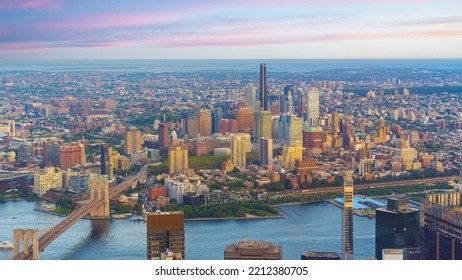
(6, 245)
(118, 216)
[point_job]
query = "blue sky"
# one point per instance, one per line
(146, 29)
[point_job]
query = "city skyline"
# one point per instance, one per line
(57, 29)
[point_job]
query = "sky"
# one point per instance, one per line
(230, 29)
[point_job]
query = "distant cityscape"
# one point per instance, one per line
(162, 148)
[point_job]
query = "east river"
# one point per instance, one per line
(308, 227)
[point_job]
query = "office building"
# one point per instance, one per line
(165, 231)
(396, 226)
(132, 141)
(228, 126)
(320, 256)
(348, 215)
(264, 100)
(239, 149)
(262, 125)
(266, 150)
(71, 155)
(290, 127)
(291, 152)
(440, 227)
(253, 250)
(204, 123)
(164, 140)
(177, 159)
(312, 107)
(313, 138)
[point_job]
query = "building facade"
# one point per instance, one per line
(396, 226)
(165, 231)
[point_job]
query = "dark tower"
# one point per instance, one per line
(263, 90)
(163, 136)
(105, 161)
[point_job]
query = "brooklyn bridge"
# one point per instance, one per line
(95, 206)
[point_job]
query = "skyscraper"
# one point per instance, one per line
(105, 161)
(165, 231)
(250, 96)
(312, 107)
(204, 123)
(163, 136)
(217, 116)
(245, 117)
(266, 150)
(440, 227)
(132, 140)
(396, 226)
(239, 149)
(177, 159)
(348, 215)
(262, 125)
(264, 100)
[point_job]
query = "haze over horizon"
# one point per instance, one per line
(205, 29)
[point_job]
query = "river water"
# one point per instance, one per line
(308, 227)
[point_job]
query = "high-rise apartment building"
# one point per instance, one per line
(177, 159)
(165, 232)
(253, 250)
(396, 226)
(71, 155)
(239, 148)
(262, 125)
(250, 97)
(245, 117)
(110, 104)
(440, 227)
(25, 151)
(312, 107)
(266, 150)
(335, 125)
(48, 178)
(132, 140)
(348, 215)
(204, 122)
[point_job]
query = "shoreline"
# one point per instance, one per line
(235, 218)
(50, 212)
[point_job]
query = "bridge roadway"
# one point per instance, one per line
(80, 212)
(388, 184)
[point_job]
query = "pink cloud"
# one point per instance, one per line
(110, 20)
(281, 38)
(30, 4)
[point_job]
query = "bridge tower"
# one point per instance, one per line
(99, 189)
(25, 235)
